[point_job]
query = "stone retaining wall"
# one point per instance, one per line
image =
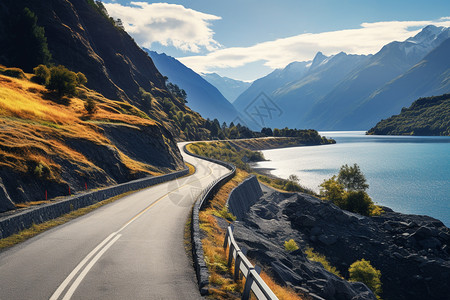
(14, 223)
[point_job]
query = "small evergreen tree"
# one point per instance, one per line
(30, 44)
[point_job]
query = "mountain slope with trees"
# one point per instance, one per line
(426, 116)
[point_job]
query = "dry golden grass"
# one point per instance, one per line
(222, 285)
(35, 128)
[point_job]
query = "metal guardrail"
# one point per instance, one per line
(254, 283)
(243, 267)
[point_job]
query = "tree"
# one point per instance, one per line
(41, 74)
(293, 178)
(349, 192)
(352, 178)
(62, 81)
(81, 79)
(363, 271)
(29, 42)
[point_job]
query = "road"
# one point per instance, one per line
(132, 248)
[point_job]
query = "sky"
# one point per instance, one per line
(247, 39)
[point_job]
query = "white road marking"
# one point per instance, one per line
(63, 285)
(83, 274)
(114, 236)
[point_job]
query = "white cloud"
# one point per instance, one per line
(167, 24)
(367, 39)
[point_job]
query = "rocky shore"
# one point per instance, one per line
(412, 252)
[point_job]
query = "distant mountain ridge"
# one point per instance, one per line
(230, 88)
(202, 96)
(350, 92)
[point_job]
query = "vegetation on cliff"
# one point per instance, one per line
(53, 145)
(425, 116)
(348, 191)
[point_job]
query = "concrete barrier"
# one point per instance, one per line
(243, 197)
(14, 223)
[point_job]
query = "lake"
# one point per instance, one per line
(408, 174)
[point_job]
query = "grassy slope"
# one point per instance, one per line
(34, 130)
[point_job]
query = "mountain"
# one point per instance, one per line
(230, 88)
(80, 35)
(202, 96)
(393, 60)
(426, 116)
(334, 92)
(295, 88)
(431, 76)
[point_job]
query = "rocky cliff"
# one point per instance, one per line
(412, 252)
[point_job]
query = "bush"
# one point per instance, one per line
(358, 202)
(90, 106)
(81, 79)
(62, 81)
(41, 74)
(13, 72)
(290, 245)
(362, 271)
(320, 258)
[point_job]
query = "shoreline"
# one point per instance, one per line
(267, 171)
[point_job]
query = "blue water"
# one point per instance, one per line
(407, 174)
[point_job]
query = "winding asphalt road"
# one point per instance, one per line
(130, 249)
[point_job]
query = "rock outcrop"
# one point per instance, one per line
(412, 252)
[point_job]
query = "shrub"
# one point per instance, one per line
(90, 106)
(14, 72)
(62, 81)
(41, 74)
(363, 271)
(81, 79)
(358, 202)
(290, 245)
(320, 258)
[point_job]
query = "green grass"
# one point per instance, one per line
(320, 258)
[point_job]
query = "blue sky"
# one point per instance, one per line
(246, 39)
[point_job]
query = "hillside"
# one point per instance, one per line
(202, 96)
(47, 144)
(81, 36)
(426, 116)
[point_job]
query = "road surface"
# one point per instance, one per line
(130, 249)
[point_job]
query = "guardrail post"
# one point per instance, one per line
(230, 255)
(237, 263)
(248, 285)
